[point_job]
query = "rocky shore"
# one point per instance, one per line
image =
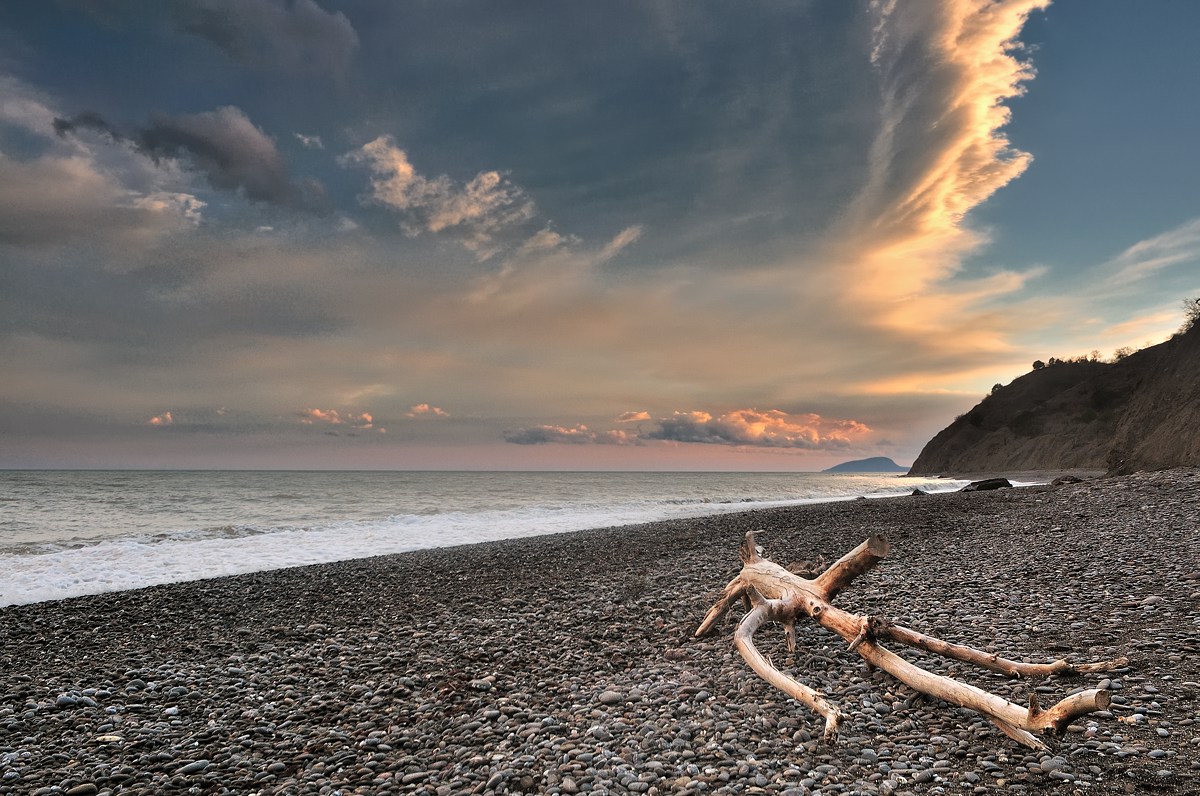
(566, 664)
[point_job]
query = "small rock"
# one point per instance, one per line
(194, 767)
(600, 734)
(611, 698)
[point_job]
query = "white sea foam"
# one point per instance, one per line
(73, 564)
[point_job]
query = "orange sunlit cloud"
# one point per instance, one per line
(741, 427)
(771, 428)
(832, 247)
(425, 410)
(360, 420)
(908, 222)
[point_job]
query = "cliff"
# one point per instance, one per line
(1140, 413)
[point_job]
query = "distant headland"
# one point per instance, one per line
(876, 464)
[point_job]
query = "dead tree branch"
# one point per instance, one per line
(775, 594)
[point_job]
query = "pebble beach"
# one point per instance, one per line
(567, 664)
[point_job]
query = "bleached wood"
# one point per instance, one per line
(991, 661)
(743, 639)
(859, 560)
(779, 595)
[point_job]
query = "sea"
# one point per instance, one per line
(70, 533)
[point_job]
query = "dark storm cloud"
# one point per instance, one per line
(224, 145)
(87, 120)
(233, 154)
(291, 36)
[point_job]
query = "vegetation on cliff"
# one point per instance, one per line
(1138, 412)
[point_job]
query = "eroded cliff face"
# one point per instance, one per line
(1142, 413)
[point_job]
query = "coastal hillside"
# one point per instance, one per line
(1141, 412)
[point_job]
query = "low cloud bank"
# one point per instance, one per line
(740, 427)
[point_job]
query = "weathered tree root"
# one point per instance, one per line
(774, 594)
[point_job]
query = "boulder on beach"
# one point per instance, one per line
(987, 484)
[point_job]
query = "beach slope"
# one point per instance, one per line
(566, 664)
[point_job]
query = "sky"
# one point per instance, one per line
(325, 234)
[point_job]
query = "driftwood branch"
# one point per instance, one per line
(775, 594)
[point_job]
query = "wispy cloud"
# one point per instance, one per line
(310, 141)
(784, 226)
(480, 209)
(945, 72)
(1144, 259)
(623, 239)
(184, 204)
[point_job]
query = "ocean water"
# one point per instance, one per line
(68, 533)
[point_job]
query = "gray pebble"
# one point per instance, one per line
(380, 676)
(610, 698)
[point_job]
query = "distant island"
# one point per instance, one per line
(876, 464)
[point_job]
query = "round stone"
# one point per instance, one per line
(611, 698)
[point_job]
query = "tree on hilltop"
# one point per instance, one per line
(1191, 313)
